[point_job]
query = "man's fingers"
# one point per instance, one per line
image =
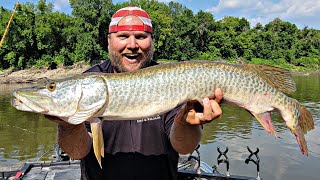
(216, 109)
(207, 111)
(218, 94)
(211, 110)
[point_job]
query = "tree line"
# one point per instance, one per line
(39, 36)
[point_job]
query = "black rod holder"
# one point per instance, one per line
(256, 162)
(226, 160)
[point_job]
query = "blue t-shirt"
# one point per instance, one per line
(135, 149)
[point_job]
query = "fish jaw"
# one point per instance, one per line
(18, 104)
(23, 103)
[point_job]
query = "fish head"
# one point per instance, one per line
(73, 99)
(53, 98)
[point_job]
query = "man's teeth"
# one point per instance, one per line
(131, 56)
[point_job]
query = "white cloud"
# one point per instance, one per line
(302, 8)
(265, 11)
(60, 4)
(237, 5)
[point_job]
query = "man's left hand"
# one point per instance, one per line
(195, 113)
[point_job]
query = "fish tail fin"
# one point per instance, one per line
(97, 137)
(301, 140)
(305, 120)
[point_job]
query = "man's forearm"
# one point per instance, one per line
(74, 140)
(185, 138)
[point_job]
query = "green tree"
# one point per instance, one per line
(182, 43)
(204, 23)
(92, 19)
(38, 36)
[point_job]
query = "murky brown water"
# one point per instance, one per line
(30, 137)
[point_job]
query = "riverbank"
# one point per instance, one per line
(35, 75)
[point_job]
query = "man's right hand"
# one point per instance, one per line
(73, 139)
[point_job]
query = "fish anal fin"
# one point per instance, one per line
(265, 120)
(97, 137)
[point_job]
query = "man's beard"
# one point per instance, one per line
(116, 62)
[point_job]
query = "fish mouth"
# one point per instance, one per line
(25, 104)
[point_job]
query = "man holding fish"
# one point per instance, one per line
(136, 149)
(142, 115)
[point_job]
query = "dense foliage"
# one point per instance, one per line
(39, 37)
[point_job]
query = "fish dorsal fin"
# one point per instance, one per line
(279, 78)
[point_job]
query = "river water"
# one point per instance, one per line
(30, 137)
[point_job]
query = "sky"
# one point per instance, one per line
(300, 12)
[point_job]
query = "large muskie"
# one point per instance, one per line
(154, 90)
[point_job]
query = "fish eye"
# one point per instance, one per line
(51, 86)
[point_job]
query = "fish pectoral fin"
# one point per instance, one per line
(265, 120)
(97, 137)
(81, 116)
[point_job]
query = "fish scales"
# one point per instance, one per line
(175, 84)
(171, 91)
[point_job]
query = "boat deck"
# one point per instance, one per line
(189, 168)
(70, 170)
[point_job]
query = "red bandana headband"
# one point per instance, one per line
(140, 13)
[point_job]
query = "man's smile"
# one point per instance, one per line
(131, 56)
